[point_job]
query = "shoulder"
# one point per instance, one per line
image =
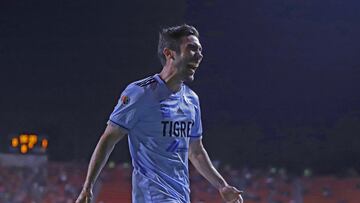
(191, 95)
(140, 88)
(146, 82)
(137, 89)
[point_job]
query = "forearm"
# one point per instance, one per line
(98, 160)
(202, 163)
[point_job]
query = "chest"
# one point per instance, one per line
(169, 118)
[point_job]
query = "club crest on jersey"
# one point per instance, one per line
(124, 99)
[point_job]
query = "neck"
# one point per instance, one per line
(170, 75)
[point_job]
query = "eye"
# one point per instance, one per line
(194, 47)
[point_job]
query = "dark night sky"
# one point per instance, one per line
(285, 60)
(278, 64)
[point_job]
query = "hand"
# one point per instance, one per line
(230, 194)
(85, 196)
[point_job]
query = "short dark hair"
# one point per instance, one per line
(170, 38)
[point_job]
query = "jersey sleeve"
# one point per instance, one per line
(196, 130)
(127, 111)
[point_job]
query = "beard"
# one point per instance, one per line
(188, 74)
(189, 78)
(187, 68)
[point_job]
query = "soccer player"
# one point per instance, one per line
(161, 116)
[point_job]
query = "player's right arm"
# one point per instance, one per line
(112, 135)
(121, 121)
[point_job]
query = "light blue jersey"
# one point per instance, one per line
(160, 125)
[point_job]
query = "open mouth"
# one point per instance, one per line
(191, 71)
(192, 67)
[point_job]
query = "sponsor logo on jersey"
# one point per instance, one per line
(177, 128)
(179, 111)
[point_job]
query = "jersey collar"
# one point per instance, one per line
(165, 92)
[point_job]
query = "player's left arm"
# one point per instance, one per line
(201, 161)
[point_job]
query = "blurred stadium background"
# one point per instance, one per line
(279, 87)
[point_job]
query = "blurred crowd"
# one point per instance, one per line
(50, 183)
(61, 183)
(277, 185)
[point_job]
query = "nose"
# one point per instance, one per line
(199, 55)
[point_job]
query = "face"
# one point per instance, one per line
(189, 58)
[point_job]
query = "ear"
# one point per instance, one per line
(169, 54)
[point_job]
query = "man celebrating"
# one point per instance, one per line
(161, 116)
